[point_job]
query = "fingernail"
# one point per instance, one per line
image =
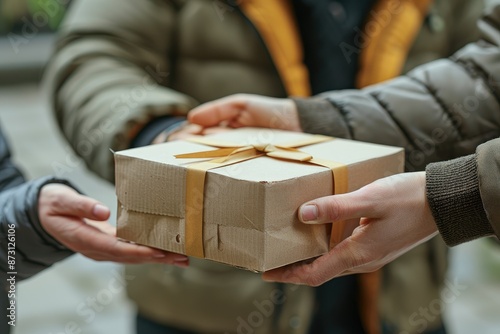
(308, 213)
(100, 210)
(159, 255)
(180, 258)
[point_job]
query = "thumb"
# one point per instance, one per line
(336, 208)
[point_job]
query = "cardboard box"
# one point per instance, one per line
(248, 208)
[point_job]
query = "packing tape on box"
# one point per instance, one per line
(228, 154)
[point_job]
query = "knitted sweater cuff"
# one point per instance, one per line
(455, 201)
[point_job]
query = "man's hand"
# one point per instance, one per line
(244, 110)
(79, 223)
(395, 217)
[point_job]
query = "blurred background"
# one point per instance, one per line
(74, 296)
(26, 37)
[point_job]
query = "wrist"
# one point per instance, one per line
(274, 113)
(164, 136)
(151, 131)
(320, 116)
(294, 125)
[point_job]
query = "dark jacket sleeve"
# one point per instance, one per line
(20, 229)
(464, 195)
(438, 111)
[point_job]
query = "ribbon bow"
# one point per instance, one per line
(227, 154)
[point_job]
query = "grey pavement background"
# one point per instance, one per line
(81, 296)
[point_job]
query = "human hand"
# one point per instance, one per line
(243, 110)
(187, 130)
(79, 223)
(395, 217)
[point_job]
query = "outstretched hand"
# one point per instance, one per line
(80, 223)
(243, 110)
(395, 217)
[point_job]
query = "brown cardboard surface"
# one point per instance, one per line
(250, 207)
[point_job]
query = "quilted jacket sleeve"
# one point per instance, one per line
(107, 78)
(438, 111)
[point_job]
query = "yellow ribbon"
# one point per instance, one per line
(228, 154)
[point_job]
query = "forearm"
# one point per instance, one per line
(433, 120)
(439, 111)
